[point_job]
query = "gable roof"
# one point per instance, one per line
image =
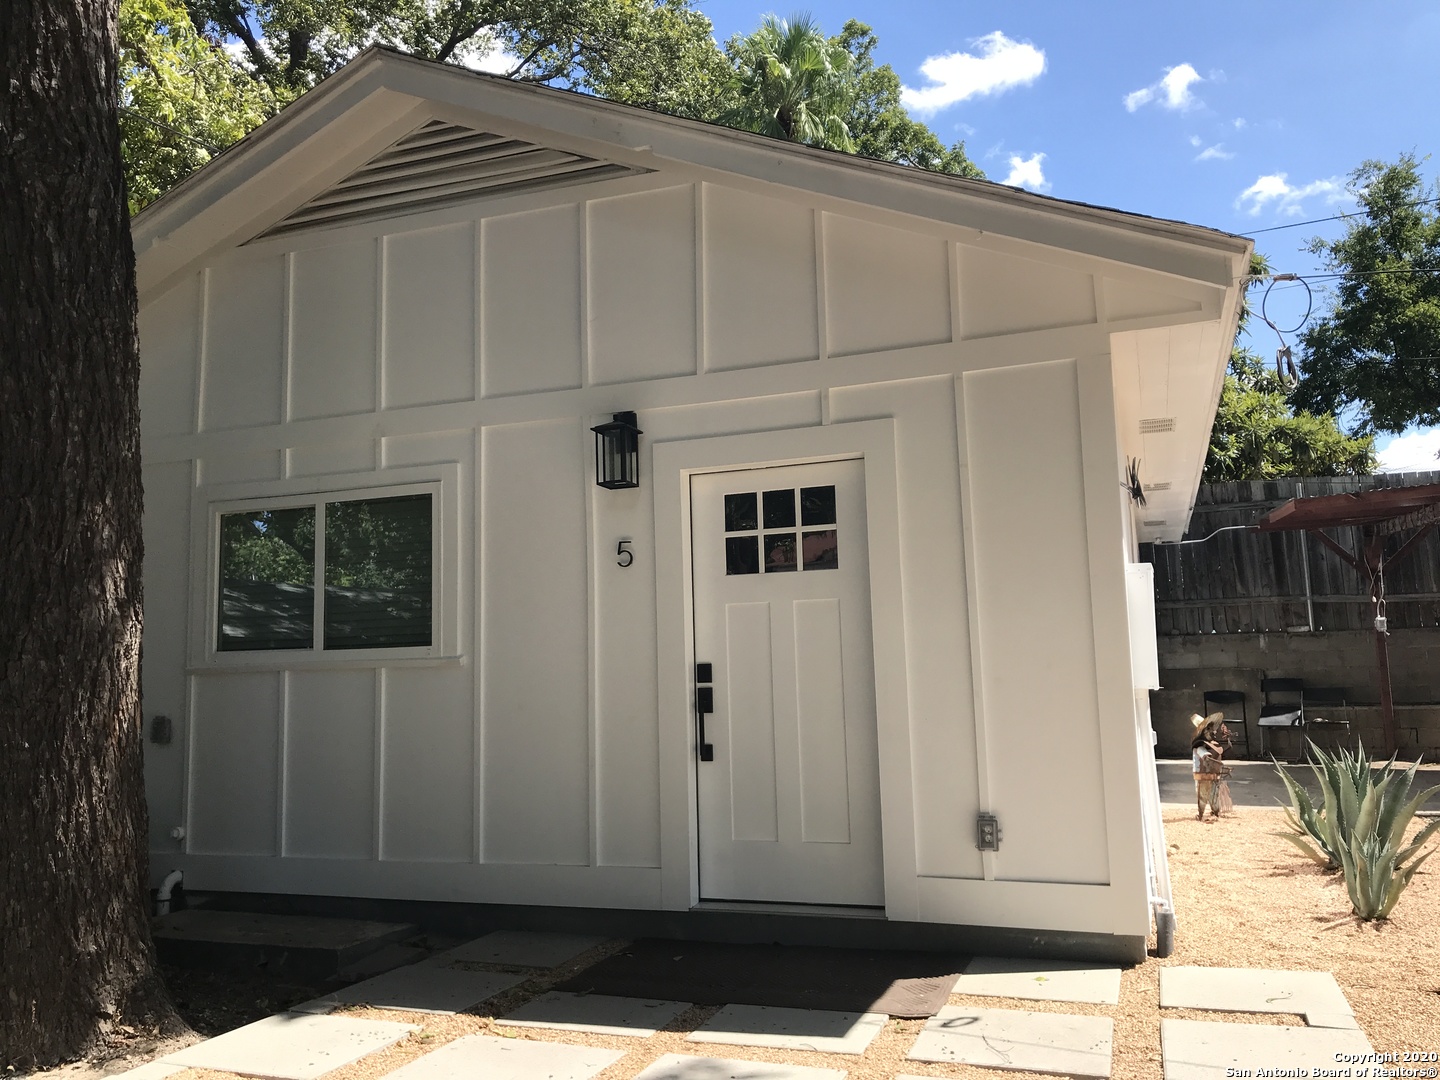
(380, 126)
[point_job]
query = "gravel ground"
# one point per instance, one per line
(1243, 896)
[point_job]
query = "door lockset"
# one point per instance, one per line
(704, 703)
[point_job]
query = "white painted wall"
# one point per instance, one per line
(527, 765)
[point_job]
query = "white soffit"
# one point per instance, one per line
(439, 164)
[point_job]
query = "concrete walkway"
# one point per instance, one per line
(540, 1035)
(1255, 783)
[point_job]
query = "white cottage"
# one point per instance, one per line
(882, 530)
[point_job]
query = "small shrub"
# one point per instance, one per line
(1361, 827)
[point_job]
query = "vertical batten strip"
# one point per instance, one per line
(822, 306)
(592, 651)
(587, 377)
(282, 762)
(1102, 308)
(972, 603)
(382, 276)
(477, 308)
(187, 782)
(956, 317)
(477, 695)
(287, 352)
(378, 840)
(203, 350)
(697, 202)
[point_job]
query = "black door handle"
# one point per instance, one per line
(704, 703)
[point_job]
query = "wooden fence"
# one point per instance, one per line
(1242, 582)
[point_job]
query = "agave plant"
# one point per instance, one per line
(1361, 827)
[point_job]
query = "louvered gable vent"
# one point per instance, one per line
(440, 164)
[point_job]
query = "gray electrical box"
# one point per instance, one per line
(987, 832)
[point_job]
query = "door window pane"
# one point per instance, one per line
(378, 573)
(817, 505)
(742, 555)
(821, 550)
(267, 579)
(780, 509)
(779, 553)
(740, 511)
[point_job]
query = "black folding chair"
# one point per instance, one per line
(1224, 698)
(1284, 706)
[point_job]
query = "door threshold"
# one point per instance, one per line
(772, 907)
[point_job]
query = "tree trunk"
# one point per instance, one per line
(75, 952)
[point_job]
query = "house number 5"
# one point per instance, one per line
(623, 555)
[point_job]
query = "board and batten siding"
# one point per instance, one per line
(526, 767)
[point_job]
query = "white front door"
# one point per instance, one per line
(789, 800)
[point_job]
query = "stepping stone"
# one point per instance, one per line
(291, 1046)
(521, 948)
(597, 1014)
(153, 1070)
(1040, 980)
(1010, 1039)
(377, 963)
(684, 1067)
(792, 1029)
(1314, 994)
(423, 988)
(508, 1059)
(1206, 1049)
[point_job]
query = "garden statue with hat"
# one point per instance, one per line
(1206, 751)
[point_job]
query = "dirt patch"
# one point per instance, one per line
(1244, 898)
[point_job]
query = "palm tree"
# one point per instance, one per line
(792, 83)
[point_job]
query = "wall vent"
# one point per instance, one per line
(1155, 425)
(439, 164)
(1163, 485)
(1154, 523)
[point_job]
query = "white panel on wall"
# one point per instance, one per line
(330, 764)
(761, 304)
(239, 468)
(332, 320)
(431, 448)
(727, 418)
(531, 313)
(885, 288)
(937, 627)
(1002, 294)
(234, 753)
(641, 292)
(429, 352)
(244, 343)
(751, 714)
(536, 755)
(167, 557)
(428, 765)
(1127, 300)
(169, 358)
(339, 457)
(820, 717)
(1042, 724)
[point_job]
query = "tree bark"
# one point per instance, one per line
(76, 959)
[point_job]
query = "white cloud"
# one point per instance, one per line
(1195, 140)
(490, 55)
(1275, 191)
(1414, 451)
(1238, 123)
(1027, 173)
(1171, 92)
(1214, 153)
(997, 64)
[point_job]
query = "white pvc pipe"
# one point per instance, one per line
(162, 898)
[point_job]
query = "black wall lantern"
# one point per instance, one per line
(617, 452)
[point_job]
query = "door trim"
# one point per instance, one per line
(873, 442)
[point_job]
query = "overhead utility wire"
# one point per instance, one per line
(1336, 217)
(173, 130)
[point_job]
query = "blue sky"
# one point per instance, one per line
(1241, 118)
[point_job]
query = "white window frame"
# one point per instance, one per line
(212, 502)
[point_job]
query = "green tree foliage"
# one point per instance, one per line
(1258, 436)
(878, 122)
(1378, 348)
(792, 82)
(182, 99)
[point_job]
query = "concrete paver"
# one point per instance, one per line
(520, 948)
(1011, 1039)
(684, 1067)
(291, 1046)
(791, 1029)
(485, 1056)
(1207, 1049)
(1040, 980)
(597, 1014)
(424, 988)
(1314, 994)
